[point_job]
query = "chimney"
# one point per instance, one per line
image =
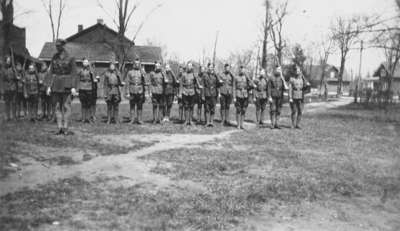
(100, 21)
(80, 28)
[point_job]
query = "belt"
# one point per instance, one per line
(135, 84)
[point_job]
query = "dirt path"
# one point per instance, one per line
(124, 166)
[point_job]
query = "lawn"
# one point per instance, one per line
(340, 172)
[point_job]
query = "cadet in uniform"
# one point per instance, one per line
(276, 87)
(63, 83)
(241, 87)
(85, 87)
(21, 101)
(226, 92)
(31, 92)
(169, 89)
(112, 93)
(135, 91)
(188, 83)
(210, 85)
(261, 98)
(9, 89)
(45, 100)
(179, 93)
(199, 96)
(297, 86)
(93, 103)
(156, 89)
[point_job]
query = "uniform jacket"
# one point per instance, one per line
(227, 83)
(63, 72)
(135, 82)
(275, 87)
(20, 81)
(8, 80)
(157, 82)
(85, 79)
(170, 83)
(210, 84)
(241, 86)
(188, 83)
(297, 86)
(261, 88)
(31, 86)
(112, 83)
(42, 75)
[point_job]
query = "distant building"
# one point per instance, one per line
(17, 38)
(380, 79)
(96, 44)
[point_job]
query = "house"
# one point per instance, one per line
(17, 45)
(380, 80)
(96, 44)
(331, 75)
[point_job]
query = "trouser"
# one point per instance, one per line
(275, 110)
(46, 104)
(63, 108)
(241, 107)
(93, 104)
(168, 102)
(296, 107)
(188, 104)
(33, 103)
(21, 103)
(261, 105)
(136, 106)
(225, 101)
(10, 100)
(200, 105)
(180, 108)
(86, 99)
(113, 108)
(210, 102)
(158, 104)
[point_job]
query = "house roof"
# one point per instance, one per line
(102, 52)
(316, 71)
(385, 66)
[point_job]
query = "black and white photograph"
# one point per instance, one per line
(158, 115)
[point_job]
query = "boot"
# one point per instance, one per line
(154, 114)
(82, 114)
(277, 122)
(242, 121)
(238, 120)
(207, 118)
(272, 116)
(199, 115)
(181, 114)
(227, 122)
(293, 118)
(258, 117)
(262, 115)
(116, 114)
(108, 114)
(190, 116)
(139, 116)
(212, 120)
(298, 121)
(187, 114)
(132, 115)
(222, 114)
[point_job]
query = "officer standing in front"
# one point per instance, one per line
(63, 84)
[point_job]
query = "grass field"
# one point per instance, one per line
(340, 172)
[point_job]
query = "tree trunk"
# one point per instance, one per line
(340, 76)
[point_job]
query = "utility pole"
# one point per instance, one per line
(359, 73)
(215, 47)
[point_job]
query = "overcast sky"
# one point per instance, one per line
(187, 27)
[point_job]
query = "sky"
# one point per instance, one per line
(187, 28)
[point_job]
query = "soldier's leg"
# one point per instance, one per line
(58, 112)
(238, 108)
(293, 114)
(67, 111)
(160, 108)
(278, 112)
(258, 110)
(132, 109)
(212, 110)
(140, 109)
(170, 103)
(191, 109)
(7, 104)
(227, 108)
(222, 108)
(300, 109)
(272, 113)
(263, 107)
(116, 112)
(109, 107)
(243, 112)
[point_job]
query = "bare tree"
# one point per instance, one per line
(7, 12)
(55, 11)
(276, 23)
(345, 33)
(326, 49)
(125, 10)
(266, 28)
